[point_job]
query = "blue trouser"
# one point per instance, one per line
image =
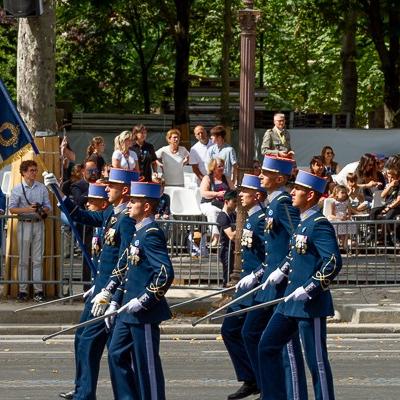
(90, 349)
(313, 336)
(134, 361)
(295, 377)
(231, 332)
(78, 333)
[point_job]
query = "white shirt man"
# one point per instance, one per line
(198, 152)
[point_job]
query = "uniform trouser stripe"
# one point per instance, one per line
(150, 361)
(293, 369)
(320, 360)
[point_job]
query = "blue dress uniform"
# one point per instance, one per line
(96, 191)
(253, 252)
(133, 356)
(118, 232)
(312, 263)
(281, 220)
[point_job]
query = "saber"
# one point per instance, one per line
(246, 310)
(84, 323)
(227, 304)
(203, 297)
(50, 302)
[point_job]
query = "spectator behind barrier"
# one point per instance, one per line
(172, 159)
(94, 153)
(30, 201)
(164, 205)
(331, 167)
(123, 157)
(213, 188)
(356, 196)
(198, 152)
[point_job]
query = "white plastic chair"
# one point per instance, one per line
(190, 180)
(184, 202)
(327, 209)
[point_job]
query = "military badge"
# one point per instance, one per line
(109, 237)
(247, 238)
(301, 244)
(113, 220)
(96, 246)
(134, 254)
(269, 224)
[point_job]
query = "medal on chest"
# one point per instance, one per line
(109, 237)
(301, 244)
(134, 253)
(96, 245)
(247, 237)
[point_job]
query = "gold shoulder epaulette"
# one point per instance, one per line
(152, 229)
(319, 218)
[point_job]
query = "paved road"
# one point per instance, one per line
(364, 366)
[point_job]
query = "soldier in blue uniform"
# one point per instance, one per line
(252, 250)
(312, 263)
(281, 220)
(133, 356)
(118, 232)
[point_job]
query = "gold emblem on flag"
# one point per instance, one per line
(14, 129)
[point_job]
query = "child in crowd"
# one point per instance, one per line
(341, 211)
(358, 204)
(163, 209)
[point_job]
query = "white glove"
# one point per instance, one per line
(132, 306)
(88, 293)
(274, 278)
(50, 179)
(247, 282)
(110, 320)
(299, 294)
(100, 302)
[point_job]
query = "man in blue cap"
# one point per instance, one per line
(252, 252)
(118, 230)
(140, 287)
(281, 220)
(311, 265)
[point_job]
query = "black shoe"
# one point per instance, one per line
(38, 297)
(67, 395)
(22, 296)
(247, 389)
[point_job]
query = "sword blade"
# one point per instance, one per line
(206, 296)
(82, 324)
(49, 302)
(248, 309)
(227, 305)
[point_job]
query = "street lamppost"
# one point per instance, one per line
(248, 18)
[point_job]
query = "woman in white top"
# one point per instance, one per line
(123, 157)
(172, 158)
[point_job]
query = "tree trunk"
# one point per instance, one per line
(36, 103)
(226, 117)
(349, 68)
(181, 80)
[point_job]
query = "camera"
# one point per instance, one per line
(39, 209)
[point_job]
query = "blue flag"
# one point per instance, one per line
(15, 138)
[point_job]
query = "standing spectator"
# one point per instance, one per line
(76, 175)
(95, 153)
(67, 158)
(331, 167)
(198, 152)
(226, 221)
(369, 178)
(172, 159)
(79, 189)
(223, 151)
(123, 157)
(30, 201)
(145, 152)
(276, 141)
(212, 189)
(256, 168)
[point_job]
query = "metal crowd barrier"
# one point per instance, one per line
(369, 250)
